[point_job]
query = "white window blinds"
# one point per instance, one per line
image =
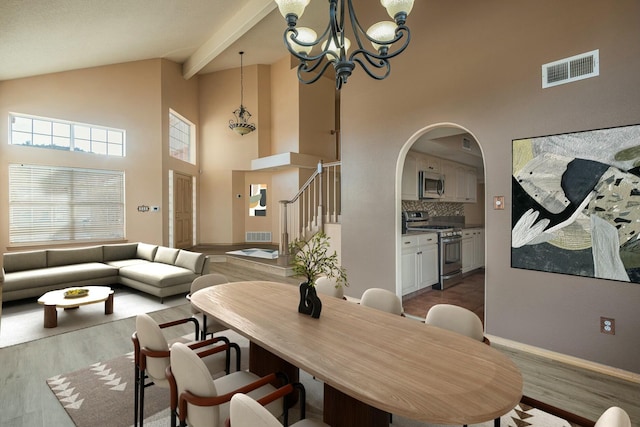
(48, 203)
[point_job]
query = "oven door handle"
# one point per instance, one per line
(451, 239)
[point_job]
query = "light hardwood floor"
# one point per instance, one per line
(26, 401)
(551, 380)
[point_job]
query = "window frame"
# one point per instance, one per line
(189, 148)
(113, 144)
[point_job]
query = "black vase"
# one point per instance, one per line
(309, 301)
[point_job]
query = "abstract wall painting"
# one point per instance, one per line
(576, 204)
(258, 200)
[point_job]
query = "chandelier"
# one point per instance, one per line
(241, 123)
(300, 41)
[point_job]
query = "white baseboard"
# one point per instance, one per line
(569, 360)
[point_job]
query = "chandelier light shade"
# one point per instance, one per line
(241, 123)
(388, 39)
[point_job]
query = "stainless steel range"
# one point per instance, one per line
(449, 245)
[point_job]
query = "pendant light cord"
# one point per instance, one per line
(241, 81)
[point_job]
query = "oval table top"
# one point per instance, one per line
(392, 363)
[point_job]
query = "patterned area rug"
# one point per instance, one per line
(102, 395)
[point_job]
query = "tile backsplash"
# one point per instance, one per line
(434, 208)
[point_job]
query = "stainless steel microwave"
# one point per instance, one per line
(430, 185)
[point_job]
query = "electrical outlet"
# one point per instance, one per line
(608, 325)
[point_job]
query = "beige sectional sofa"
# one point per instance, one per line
(156, 270)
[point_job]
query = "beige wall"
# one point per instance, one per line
(285, 89)
(182, 96)
(317, 119)
(125, 96)
(477, 64)
(223, 151)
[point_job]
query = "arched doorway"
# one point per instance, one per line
(457, 151)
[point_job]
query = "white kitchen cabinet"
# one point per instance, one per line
(472, 249)
(409, 263)
(419, 262)
(467, 184)
(428, 260)
(460, 183)
(430, 164)
(450, 173)
(410, 178)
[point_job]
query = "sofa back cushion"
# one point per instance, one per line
(166, 255)
(146, 251)
(119, 251)
(19, 261)
(57, 257)
(191, 260)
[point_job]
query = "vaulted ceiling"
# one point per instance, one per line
(46, 36)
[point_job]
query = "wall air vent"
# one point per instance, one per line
(466, 144)
(257, 236)
(571, 69)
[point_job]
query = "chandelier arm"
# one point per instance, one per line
(336, 30)
(381, 64)
(316, 76)
(355, 25)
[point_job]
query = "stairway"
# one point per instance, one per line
(218, 253)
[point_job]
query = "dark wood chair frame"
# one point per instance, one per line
(140, 363)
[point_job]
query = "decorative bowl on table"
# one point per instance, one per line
(76, 293)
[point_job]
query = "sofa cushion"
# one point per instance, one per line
(119, 251)
(191, 260)
(58, 257)
(158, 274)
(127, 262)
(166, 255)
(58, 275)
(24, 261)
(146, 251)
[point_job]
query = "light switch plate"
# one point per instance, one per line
(498, 202)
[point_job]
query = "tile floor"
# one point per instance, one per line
(469, 294)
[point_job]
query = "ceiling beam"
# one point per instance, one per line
(248, 16)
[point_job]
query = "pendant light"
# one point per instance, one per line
(382, 36)
(241, 123)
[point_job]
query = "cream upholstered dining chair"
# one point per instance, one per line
(457, 319)
(328, 286)
(247, 412)
(382, 299)
(204, 402)
(152, 356)
(614, 417)
(207, 326)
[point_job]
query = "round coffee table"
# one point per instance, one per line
(53, 300)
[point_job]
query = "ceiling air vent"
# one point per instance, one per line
(568, 70)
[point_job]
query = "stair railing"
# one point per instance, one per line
(316, 203)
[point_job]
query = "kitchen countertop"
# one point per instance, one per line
(473, 226)
(416, 232)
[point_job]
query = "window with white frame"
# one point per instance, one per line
(43, 132)
(181, 138)
(59, 204)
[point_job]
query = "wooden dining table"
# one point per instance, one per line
(372, 363)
